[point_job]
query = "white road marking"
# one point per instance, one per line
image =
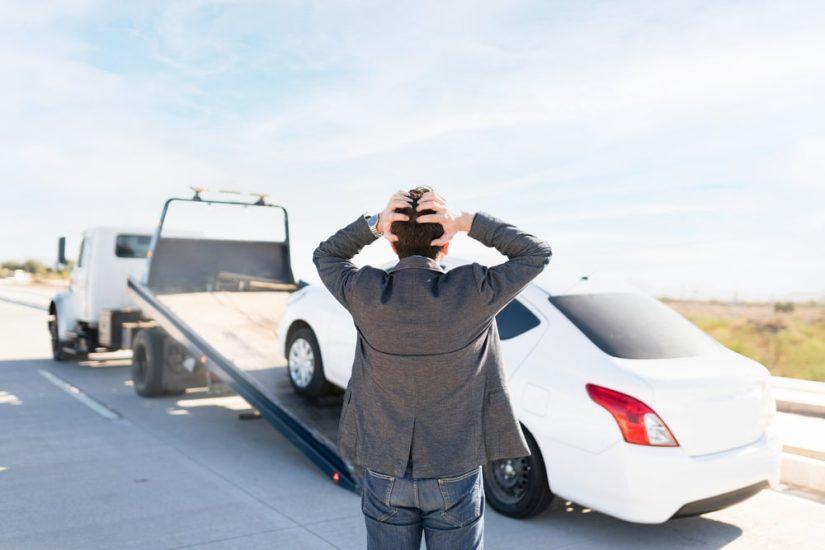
(99, 408)
(25, 303)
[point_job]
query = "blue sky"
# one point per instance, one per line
(678, 145)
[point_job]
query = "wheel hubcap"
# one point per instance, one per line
(175, 355)
(301, 362)
(510, 478)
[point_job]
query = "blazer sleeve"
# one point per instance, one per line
(527, 255)
(332, 258)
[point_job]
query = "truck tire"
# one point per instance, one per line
(57, 346)
(148, 363)
(304, 364)
(58, 354)
(518, 487)
(177, 377)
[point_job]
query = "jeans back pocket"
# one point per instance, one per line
(375, 500)
(463, 497)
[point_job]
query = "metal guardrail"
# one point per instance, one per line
(799, 396)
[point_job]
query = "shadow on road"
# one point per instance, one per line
(206, 425)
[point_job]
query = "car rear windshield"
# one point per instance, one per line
(132, 246)
(634, 326)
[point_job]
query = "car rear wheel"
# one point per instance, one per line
(306, 370)
(518, 487)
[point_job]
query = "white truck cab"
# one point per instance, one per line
(81, 318)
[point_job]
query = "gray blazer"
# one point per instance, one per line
(427, 380)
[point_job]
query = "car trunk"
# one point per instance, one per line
(711, 403)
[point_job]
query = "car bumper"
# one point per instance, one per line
(651, 485)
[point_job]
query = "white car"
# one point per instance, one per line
(628, 408)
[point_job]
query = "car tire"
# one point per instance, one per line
(304, 365)
(518, 487)
(148, 363)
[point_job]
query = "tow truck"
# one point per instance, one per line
(203, 310)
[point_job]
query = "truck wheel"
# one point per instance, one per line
(518, 487)
(57, 346)
(306, 370)
(177, 377)
(147, 363)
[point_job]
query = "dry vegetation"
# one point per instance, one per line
(789, 339)
(36, 269)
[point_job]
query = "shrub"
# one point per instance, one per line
(783, 307)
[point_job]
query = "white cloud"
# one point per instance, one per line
(18, 13)
(599, 120)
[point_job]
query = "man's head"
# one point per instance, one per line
(414, 238)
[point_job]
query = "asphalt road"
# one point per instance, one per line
(185, 472)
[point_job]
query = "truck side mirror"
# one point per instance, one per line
(61, 251)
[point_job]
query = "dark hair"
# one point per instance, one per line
(414, 238)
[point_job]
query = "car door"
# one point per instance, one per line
(520, 327)
(339, 341)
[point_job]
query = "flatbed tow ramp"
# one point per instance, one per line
(220, 298)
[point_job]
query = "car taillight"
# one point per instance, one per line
(639, 424)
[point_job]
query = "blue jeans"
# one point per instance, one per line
(449, 511)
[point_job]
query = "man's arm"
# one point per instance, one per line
(527, 255)
(332, 257)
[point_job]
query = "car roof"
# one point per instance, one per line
(560, 279)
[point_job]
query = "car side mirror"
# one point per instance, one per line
(61, 251)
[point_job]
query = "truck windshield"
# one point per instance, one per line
(634, 326)
(132, 246)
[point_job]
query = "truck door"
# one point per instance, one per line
(80, 279)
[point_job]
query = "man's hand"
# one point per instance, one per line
(452, 221)
(400, 199)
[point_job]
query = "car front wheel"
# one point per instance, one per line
(518, 487)
(306, 370)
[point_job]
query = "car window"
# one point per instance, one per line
(634, 326)
(132, 246)
(515, 319)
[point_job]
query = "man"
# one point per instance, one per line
(427, 403)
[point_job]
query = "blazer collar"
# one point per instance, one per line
(417, 262)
